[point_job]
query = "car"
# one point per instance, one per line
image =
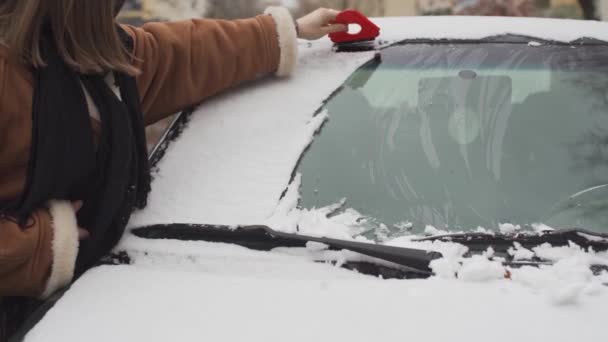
(445, 182)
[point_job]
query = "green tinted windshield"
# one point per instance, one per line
(468, 135)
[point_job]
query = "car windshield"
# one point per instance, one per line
(461, 136)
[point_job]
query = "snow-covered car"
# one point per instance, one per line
(448, 184)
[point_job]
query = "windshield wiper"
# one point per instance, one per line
(501, 244)
(479, 242)
(264, 238)
(415, 262)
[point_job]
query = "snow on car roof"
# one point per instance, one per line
(462, 27)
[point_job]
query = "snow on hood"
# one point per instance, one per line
(223, 293)
(192, 291)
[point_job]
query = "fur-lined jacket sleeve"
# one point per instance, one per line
(38, 259)
(182, 63)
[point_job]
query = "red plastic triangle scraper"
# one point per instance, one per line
(369, 30)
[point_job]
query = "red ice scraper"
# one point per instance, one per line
(369, 30)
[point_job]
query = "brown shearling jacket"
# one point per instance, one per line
(182, 63)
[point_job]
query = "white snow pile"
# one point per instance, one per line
(316, 222)
(564, 279)
(462, 27)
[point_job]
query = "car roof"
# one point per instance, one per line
(465, 28)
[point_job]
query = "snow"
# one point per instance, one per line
(462, 27)
(479, 268)
(232, 165)
(226, 181)
(541, 227)
(235, 159)
(192, 291)
(315, 222)
(564, 283)
(448, 266)
(405, 225)
(431, 230)
(508, 228)
(593, 237)
(139, 303)
(520, 253)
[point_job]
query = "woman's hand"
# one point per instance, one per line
(318, 24)
(83, 234)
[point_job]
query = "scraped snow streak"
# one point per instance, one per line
(231, 166)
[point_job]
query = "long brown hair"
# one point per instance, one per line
(84, 31)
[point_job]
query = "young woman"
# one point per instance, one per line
(76, 91)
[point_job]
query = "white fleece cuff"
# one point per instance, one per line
(64, 246)
(288, 39)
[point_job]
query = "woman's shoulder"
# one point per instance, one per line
(3, 51)
(11, 69)
(4, 59)
(16, 83)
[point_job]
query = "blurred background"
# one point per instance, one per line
(137, 12)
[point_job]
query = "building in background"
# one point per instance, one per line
(434, 7)
(372, 8)
(135, 12)
(142, 10)
(400, 7)
(138, 10)
(518, 8)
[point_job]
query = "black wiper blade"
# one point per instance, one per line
(265, 238)
(479, 242)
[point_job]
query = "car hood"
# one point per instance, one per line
(207, 291)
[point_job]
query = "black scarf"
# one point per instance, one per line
(112, 178)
